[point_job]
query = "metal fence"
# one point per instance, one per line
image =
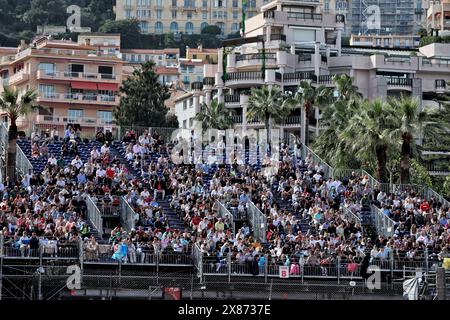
(350, 216)
(94, 215)
(383, 224)
(257, 221)
(327, 169)
(23, 165)
(225, 214)
(165, 133)
(128, 215)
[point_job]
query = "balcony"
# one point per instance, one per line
(297, 77)
(78, 76)
(19, 78)
(255, 59)
(63, 120)
(237, 119)
(79, 99)
(244, 79)
(209, 81)
(304, 16)
(434, 64)
(399, 83)
(292, 121)
(278, 37)
(198, 85)
(394, 63)
(232, 99)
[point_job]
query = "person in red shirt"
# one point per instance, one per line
(195, 221)
(424, 206)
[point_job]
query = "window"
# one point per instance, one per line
(159, 3)
(205, 3)
(326, 6)
(174, 27)
(204, 15)
(219, 14)
(106, 72)
(159, 14)
(191, 102)
(378, 42)
(203, 25)
(189, 28)
(221, 25)
(386, 42)
(158, 27)
(143, 25)
(105, 116)
(214, 14)
(184, 124)
(47, 90)
(191, 122)
(75, 114)
(174, 14)
(235, 3)
(235, 27)
(75, 70)
(189, 14)
(127, 14)
(174, 3)
(184, 105)
(47, 68)
(127, 3)
(235, 15)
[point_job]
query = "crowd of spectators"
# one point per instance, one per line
(51, 205)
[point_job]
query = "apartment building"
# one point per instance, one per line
(191, 70)
(386, 41)
(186, 16)
(438, 17)
(297, 43)
(77, 82)
(208, 56)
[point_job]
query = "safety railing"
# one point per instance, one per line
(345, 173)
(94, 215)
(128, 215)
(350, 216)
(47, 249)
(257, 221)
(327, 169)
(383, 224)
(197, 259)
(225, 214)
(23, 165)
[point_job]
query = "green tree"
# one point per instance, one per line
(129, 31)
(411, 125)
(447, 186)
(211, 29)
(172, 121)
(214, 116)
(367, 135)
(142, 101)
(345, 88)
(419, 174)
(45, 12)
(269, 105)
(308, 96)
(15, 105)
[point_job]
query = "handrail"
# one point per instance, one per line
(128, 216)
(383, 224)
(328, 170)
(258, 221)
(22, 163)
(350, 216)
(94, 215)
(197, 259)
(225, 214)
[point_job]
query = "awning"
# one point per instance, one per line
(83, 85)
(108, 86)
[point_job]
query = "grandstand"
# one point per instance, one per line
(130, 219)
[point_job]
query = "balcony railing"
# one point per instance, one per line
(278, 37)
(269, 14)
(246, 75)
(304, 16)
(198, 85)
(326, 79)
(209, 81)
(77, 97)
(436, 62)
(399, 82)
(256, 56)
(304, 58)
(18, 77)
(292, 120)
(399, 60)
(237, 119)
(77, 75)
(232, 98)
(297, 76)
(43, 119)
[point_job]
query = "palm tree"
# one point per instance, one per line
(214, 116)
(345, 87)
(15, 106)
(308, 96)
(411, 125)
(335, 119)
(368, 134)
(270, 105)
